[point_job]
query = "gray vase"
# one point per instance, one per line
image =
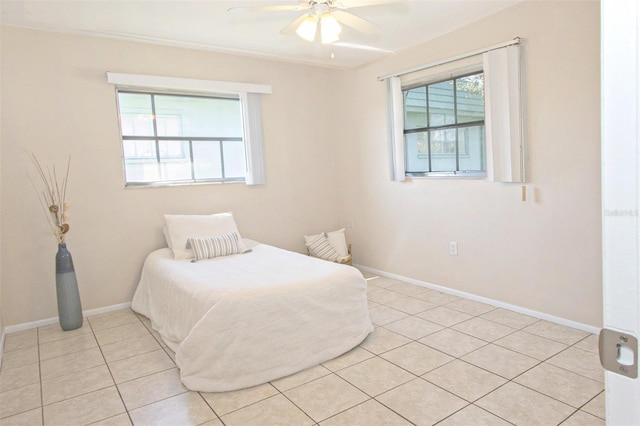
(69, 306)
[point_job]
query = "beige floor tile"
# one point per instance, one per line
(382, 340)
(140, 365)
(151, 388)
(112, 319)
(84, 409)
(581, 362)
(465, 380)
(325, 397)
(417, 358)
(52, 332)
(453, 342)
(560, 384)
(580, 418)
(20, 357)
(470, 307)
(437, 297)
(66, 364)
(118, 420)
(12, 378)
(509, 318)
(483, 329)
(227, 402)
(300, 378)
(74, 384)
(500, 361)
(370, 412)
(413, 327)
(348, 359)
(375, 376)
(531, 345)
(71, 345)
(444, 316)
(130, 347)
(557, 332)
(185, 409)
(519, 410)
(121, 332)
(19, 400)
(384, 296)
(472, 415)
(589, 344)
(276, 410)
(381, 315)
(214, 422)
(421, 402)
(407, 289)
(411, 305)
(384, 282)
(20, 340)
(596, 406)
(27, 418)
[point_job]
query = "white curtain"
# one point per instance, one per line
(503, 115)
(253, 139)
(395, 125)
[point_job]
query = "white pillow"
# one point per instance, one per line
(182, 227)
(210, 247)
(322, 248)
(338, 241)
(165, 232)
(308, 239)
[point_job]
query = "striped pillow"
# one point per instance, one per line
(210, 247)
(322, 248)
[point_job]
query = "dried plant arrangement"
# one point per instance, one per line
(52, 195)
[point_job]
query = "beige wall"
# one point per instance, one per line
(543, 254)
(327, 166)
(56, 102)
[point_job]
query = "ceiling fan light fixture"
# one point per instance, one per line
(308, 28)
(330, 29)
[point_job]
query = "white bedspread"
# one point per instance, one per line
(247, 319)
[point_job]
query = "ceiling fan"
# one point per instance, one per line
(326, 15)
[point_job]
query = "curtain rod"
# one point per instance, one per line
(451, 59)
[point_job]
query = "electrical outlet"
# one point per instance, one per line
(453, 248)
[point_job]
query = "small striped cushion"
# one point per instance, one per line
(322, 248)
(210, 247)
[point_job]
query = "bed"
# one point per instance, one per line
(245, 319)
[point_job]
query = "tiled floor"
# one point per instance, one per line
(433, 358)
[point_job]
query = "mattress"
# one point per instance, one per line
(243, 320)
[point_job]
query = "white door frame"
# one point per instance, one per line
(621, 193)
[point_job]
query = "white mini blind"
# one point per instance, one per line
(503, 115)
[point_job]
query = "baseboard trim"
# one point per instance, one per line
(488, 301)
(29, 325)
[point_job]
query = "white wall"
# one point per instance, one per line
(543, 254)
(56, 102)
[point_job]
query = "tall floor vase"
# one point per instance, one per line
(69, 306)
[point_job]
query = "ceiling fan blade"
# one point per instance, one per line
(361, 47)
(272, 8)
(293, 26)
(349, 4)
(355, 22)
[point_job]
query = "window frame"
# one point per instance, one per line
(427, 129)
(189, 139)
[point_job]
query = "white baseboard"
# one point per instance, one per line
(40, 323)
(497, 303)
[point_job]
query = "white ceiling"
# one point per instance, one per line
(207, 25)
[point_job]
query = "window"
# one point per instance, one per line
(168, 138)
(444, 127)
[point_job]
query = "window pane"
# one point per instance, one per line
(470, 98)
(443, 150)
(175, 160)
(195, 116)
(415, 108)
(417, 152)
(471, 148)
(206, 160)
(234, 162)
(441, 109)
(136, 115)
(140, 161)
